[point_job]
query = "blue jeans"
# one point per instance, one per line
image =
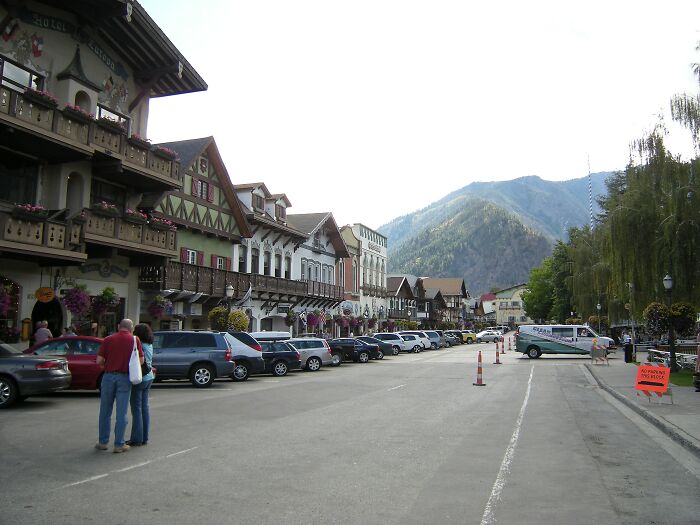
(114, 387)
(140, 414)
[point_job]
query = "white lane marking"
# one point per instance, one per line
(181, 452)
(93, 478)
(396, 387)
(130, 467)
(500, 482)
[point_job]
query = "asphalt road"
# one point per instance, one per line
(405, 440)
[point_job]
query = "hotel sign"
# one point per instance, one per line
(374, 247)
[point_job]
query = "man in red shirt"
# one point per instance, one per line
(113, 356)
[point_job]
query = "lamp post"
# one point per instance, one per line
(598, 307)
(229, 295)
(668, 285)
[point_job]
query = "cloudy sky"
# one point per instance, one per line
(372, 109)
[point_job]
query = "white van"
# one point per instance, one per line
(537, 339)
(271, 336)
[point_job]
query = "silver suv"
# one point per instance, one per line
(314, 351)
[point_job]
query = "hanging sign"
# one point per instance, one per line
(44, 295)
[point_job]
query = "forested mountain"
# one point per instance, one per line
(490, 233)
(550, 207)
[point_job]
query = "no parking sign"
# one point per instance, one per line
(653, 378)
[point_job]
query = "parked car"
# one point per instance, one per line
(200, 356)
(81, 353)
(435, 340)
(395, 340)
(384, 348)
(280, 357)
(459, 338)
(412, 343)
(353, 349)
(453, 340)
(468, 336)
(442, 338)
(488, 336)
(422, 337)
(315, 352)
(247, 355)
(22, 376)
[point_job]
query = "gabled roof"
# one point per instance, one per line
(487, 297)
(434, 294)
(447, 285)
(395, 284)
(193, 148)
(266, 220)
(512, 288)
(310, 223)
(253, 186)
(281, 196)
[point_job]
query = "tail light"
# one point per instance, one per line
(227, 354)
(298, 355)
(256, 347)
(327, 346)
(50, 365)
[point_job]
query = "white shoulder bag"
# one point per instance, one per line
(135, 366)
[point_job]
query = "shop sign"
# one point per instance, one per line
(44, 295)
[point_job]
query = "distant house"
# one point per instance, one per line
(456, 296)
(485, 310)
(509, 306)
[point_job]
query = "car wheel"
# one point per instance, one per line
(8, 392)
(416, 349)
(433, 346)
(469, 341)
(279, 369)
(337, 359)
(202, 375)
(478, 340)
(240, 372)
(533, 352)
(363, 357)
(380, 355)
(397, 350)
(313, 364)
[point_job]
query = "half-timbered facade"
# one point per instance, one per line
(454, 292)
(78, 179)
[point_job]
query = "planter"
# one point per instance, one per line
(24, 215)
(139, 142)
(134, 219)
(105, 212)
(77, 116)
(165, 154)
(36, 97)
(111, 125)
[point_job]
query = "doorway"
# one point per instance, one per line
(52, 312)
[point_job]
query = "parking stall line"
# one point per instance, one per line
(396, 387)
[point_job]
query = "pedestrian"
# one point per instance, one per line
(140, 413)
(42, 332)
(70, 331)
(113, 356)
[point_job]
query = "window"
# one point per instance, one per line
(255, 261)
(503, 304)
(200, 188)
(280, 212)
(258, 202)
(563, 332)
(515, 304)
(354, 276)
(221, 263)
(242, 259)
(202, 341)
(18, 178)
(303, 268)
(17, 77)
(317, 240)
(191, 257)
(104, 191)
(105, 112)
(266, 263)
(287, 268)
(278, 265)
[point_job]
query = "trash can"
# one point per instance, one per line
(628, 353)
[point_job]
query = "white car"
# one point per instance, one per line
(413, 344)
(422, 337)
(489, 336)
(394, 340)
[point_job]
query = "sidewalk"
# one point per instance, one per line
(680, 420)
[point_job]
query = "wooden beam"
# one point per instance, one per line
(267, 234)
(277, 239)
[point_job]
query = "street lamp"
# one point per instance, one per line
(229, 295)
(598, 307)
(668, 285)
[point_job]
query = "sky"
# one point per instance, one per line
(372, 109)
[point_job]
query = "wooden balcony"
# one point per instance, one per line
(210, 281)
(64, 135)
(398, 314)
(129, 236)
(46, 238)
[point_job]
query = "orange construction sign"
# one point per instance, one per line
(653, 378)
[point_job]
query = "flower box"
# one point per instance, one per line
(139, 142)
(105, 209)
(77, 114)
(135, 216)
(30, 212)
(166, 153)
(43, 98)
(111, 125)
(162, 224)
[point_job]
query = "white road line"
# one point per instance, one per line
(93, 478)
(396, 387)
(181, 452)
(500, 482)
(132, 467)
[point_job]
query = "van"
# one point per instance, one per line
(271, 336)
(535, 340)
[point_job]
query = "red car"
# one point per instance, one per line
(80, 352)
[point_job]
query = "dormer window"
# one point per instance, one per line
(280, 212)
(258, 202)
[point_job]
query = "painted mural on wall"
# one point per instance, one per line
(22, 47)
(114, 94)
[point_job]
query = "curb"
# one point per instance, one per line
(689, 445)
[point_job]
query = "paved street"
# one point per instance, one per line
(405, 440)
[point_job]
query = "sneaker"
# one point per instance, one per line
(123, 448)
(134, 443)
(100, 446)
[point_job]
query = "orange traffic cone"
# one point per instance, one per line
(498, 361)
(479, 378)
(503, 349)
(509, 340)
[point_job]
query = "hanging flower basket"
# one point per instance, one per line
(77, 301)
(43, 98)
(159, 306)
(30, 212)
(355, 322)
(312, 320)
(5, 301)
(106, 300)
(290, 318)
(106, 209)
(372, 322)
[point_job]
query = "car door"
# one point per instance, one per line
(584, 339)
(268, 354)
(82, 362)
(169, 353)
(565, 335)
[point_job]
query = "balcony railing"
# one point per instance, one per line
(44, 236)
(129, 235)
(85, 134)
(201, 279)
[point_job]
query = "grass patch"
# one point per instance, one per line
(682, 378)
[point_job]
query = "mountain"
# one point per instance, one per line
(490, 233)
(550, 207)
